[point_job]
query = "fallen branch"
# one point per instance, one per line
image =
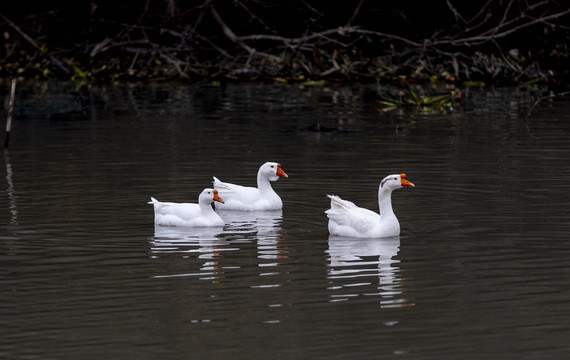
(198, 38)
(540, 99)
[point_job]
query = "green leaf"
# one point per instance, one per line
(414, 96)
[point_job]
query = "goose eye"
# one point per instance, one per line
(395, 178)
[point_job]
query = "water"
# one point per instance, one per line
(479, 271)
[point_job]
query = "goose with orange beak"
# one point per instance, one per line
(245, 198)
(347, 219)
(189, 214)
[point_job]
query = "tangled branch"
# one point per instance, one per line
(204, 37)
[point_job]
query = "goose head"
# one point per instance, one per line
(209, 196)
(272, 171)
(393, 182)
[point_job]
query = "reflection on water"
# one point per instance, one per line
(200, 243)
(209, 244)
(357, 264)
(11, 191)
(266, 227)
(263, 223)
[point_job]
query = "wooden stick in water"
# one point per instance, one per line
(10, 111)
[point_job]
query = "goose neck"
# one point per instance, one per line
(264, 185)
(206, 207)
(385, 202)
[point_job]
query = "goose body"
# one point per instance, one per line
(244, 198)
(347, 219)
(188, 214)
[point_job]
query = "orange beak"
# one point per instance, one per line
(280, 171)
(404, 181)
(217, 197)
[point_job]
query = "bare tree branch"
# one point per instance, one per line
(342, 30)
(486, 38)
(55, 60)
(228, 32)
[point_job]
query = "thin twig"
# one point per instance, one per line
(545, 98)
(56, 61)
(355, 13)
(481, 11)
(176, 64)
(472, 39)
(347, 30)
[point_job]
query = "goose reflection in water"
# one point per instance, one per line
(203, 244)
(265, 226)
(264, 223)
(208, 244)
(352, 267)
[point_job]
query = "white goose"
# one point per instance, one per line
(244, 198)
(188, 214)
(347, 219)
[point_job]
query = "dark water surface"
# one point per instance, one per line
(480, 271)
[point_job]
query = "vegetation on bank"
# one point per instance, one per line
(445, 41)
